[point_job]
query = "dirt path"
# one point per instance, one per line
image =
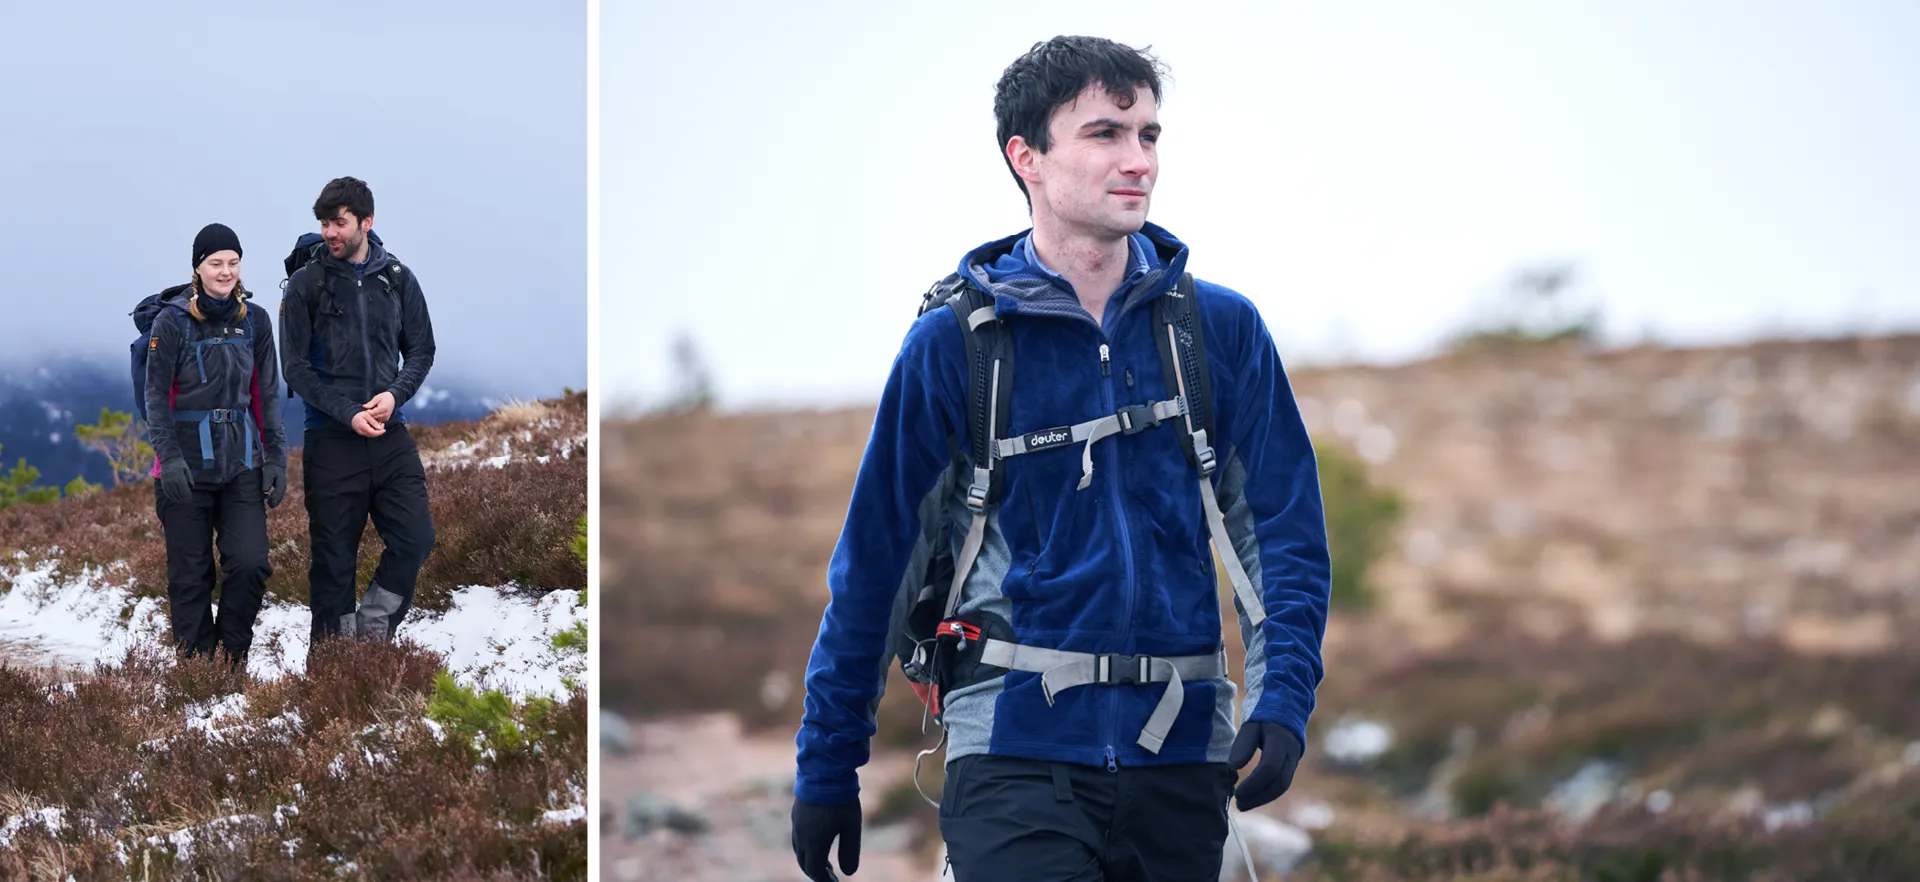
(703, 771)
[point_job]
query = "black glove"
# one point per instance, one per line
(276, 485)
(1279, 755)
(814, 829)
(174, 484)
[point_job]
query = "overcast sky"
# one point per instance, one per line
(128, 126)
(782, 184)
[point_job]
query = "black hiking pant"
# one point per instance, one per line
(1005, 818)
(233, 517)
(347, 479)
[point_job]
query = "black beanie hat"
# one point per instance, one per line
(212, 238)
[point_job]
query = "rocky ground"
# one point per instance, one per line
(695, 797)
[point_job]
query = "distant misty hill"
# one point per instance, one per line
(40, 405)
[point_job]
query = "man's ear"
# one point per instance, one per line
(1023, 158)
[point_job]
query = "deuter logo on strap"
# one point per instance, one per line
(1046, 438)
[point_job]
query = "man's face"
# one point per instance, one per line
(345, 233)
(1098, 174)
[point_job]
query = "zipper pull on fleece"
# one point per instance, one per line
(1113, 764)
(1106, 367)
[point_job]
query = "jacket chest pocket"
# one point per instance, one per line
(221, 364)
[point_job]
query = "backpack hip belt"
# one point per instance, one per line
(1060, 670)
(206, 419)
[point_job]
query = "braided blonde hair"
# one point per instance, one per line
(193, 301)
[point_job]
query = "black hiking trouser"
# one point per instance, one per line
(347, 479)
(233, 517)
(1005, 818)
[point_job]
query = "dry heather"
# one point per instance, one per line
(512, 523)
(314, 776)
(1689, 567)
(1629, 845)
(152, 769)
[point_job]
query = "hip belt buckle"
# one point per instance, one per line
(1123, 670)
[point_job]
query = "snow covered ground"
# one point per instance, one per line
(482, 453)
(498, 638)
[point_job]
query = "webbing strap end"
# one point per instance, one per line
(1203, 453)
(977, 492)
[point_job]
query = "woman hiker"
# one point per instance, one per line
(220, 451)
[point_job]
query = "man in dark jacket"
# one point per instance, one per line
(358, 343)
(1096, 737)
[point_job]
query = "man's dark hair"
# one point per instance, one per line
(1054, 73)
(351, 194)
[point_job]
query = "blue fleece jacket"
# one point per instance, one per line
(1123, 566)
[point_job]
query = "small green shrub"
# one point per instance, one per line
(1361, 519)
(490, 716)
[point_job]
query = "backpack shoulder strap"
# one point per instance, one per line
(180, 317)
(1183, 361)
(989, 404)
(316, 285)
(989, 381)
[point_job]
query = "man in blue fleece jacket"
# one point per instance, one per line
(1089, 562)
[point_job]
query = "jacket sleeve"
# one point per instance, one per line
(905, 455)
(1270, 496)
(266, 391)
(296, 340)
(416, 343)
(163, 362)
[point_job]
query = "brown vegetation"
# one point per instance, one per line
(318, 771)
(335, 771)
(493, 526)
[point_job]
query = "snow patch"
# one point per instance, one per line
(52, 820)
(500, 639)
(1311, 815)
(206, 717)
(78, 621)
(1591, 788)
(566, 815)
(183, 839)
(1797, 814)
(1355, 740)
(498, 453)
(497, 638)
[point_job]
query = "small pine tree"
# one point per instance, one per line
(117, 437)
(16, 487)
(575, 638)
